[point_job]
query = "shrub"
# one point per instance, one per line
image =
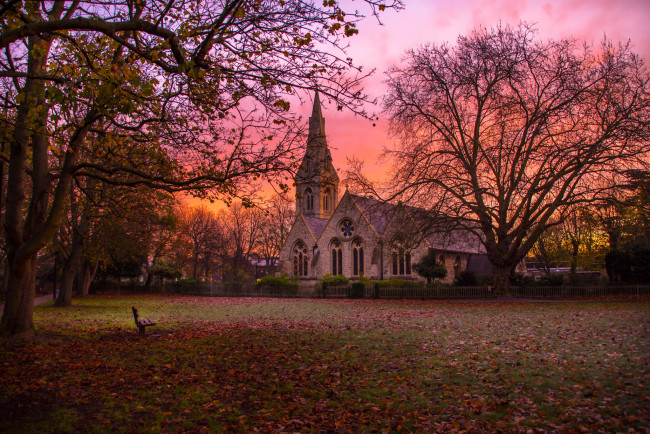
(430, 268)
(466, 278)
(552, 280)
(183, 286)
(188, 281)
(356, 290)
(329, 280)
(278, 281)
(363, 279)
(520, 279)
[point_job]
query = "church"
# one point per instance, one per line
(358, 236)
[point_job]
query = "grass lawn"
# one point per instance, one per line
(215, 364)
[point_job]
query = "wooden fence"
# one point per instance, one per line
(580, 291)
(416, 292)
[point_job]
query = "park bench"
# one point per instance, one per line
(142, 323)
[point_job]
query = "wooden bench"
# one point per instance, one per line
(142, 323)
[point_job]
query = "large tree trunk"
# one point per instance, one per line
(502, 281)
(17, 318)
(85, 277)
(70, 268)
(26, 236)
(5, 279)
(23, 237)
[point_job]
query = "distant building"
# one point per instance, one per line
(359, 236)
(263, 266)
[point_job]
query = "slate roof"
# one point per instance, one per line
(378, 213)
(316, 224)
(456, 241)
(479, 265)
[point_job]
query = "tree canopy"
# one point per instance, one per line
(179, 96)
(506, 132)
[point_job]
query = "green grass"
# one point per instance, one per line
(214, 364)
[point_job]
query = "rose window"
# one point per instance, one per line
(347, 228)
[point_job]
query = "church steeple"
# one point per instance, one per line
(317, 181)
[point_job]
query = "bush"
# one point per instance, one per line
(356, 290)
(552, 280)
(466, 278)
(188, 281)
(520, 279)
(430, 268)
(363, 279)
(183, 286)
(338, 280)
(278, 281)
(164, 270)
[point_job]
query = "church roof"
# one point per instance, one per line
(456, 241)
(316, 224)
(377, 212)
(479, 265)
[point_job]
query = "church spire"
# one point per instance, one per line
(317, 122)
(316, 180)
(316, 112)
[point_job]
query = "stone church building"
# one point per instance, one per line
(358, 236)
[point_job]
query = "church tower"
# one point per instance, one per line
(317, 182)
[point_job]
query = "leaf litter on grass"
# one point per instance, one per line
(333, 365)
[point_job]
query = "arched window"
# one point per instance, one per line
(309, 196)
(300, 260)
(337, 258)
(326, 199)
(357, 257)
(401, 262)
(457, 267)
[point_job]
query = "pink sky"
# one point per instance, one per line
(441, 21)
(378, 47)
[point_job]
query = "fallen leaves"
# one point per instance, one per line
(332, 365)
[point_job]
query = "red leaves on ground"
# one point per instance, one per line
(307, 365)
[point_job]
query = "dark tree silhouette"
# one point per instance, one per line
(506, 132)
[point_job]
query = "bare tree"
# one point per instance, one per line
(276, 224)
(200, 231)
(506, 132)
(242, 231)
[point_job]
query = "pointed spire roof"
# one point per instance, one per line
(316, 112)
(317, 168)
(317, 122)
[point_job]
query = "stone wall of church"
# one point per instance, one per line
(299, 231)
(335, 234)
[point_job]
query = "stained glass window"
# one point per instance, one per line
(347, 228)
(300, 260)
(337, 258)
(401, 262)
(357, 257)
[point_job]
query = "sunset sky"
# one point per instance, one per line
(378, 47)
